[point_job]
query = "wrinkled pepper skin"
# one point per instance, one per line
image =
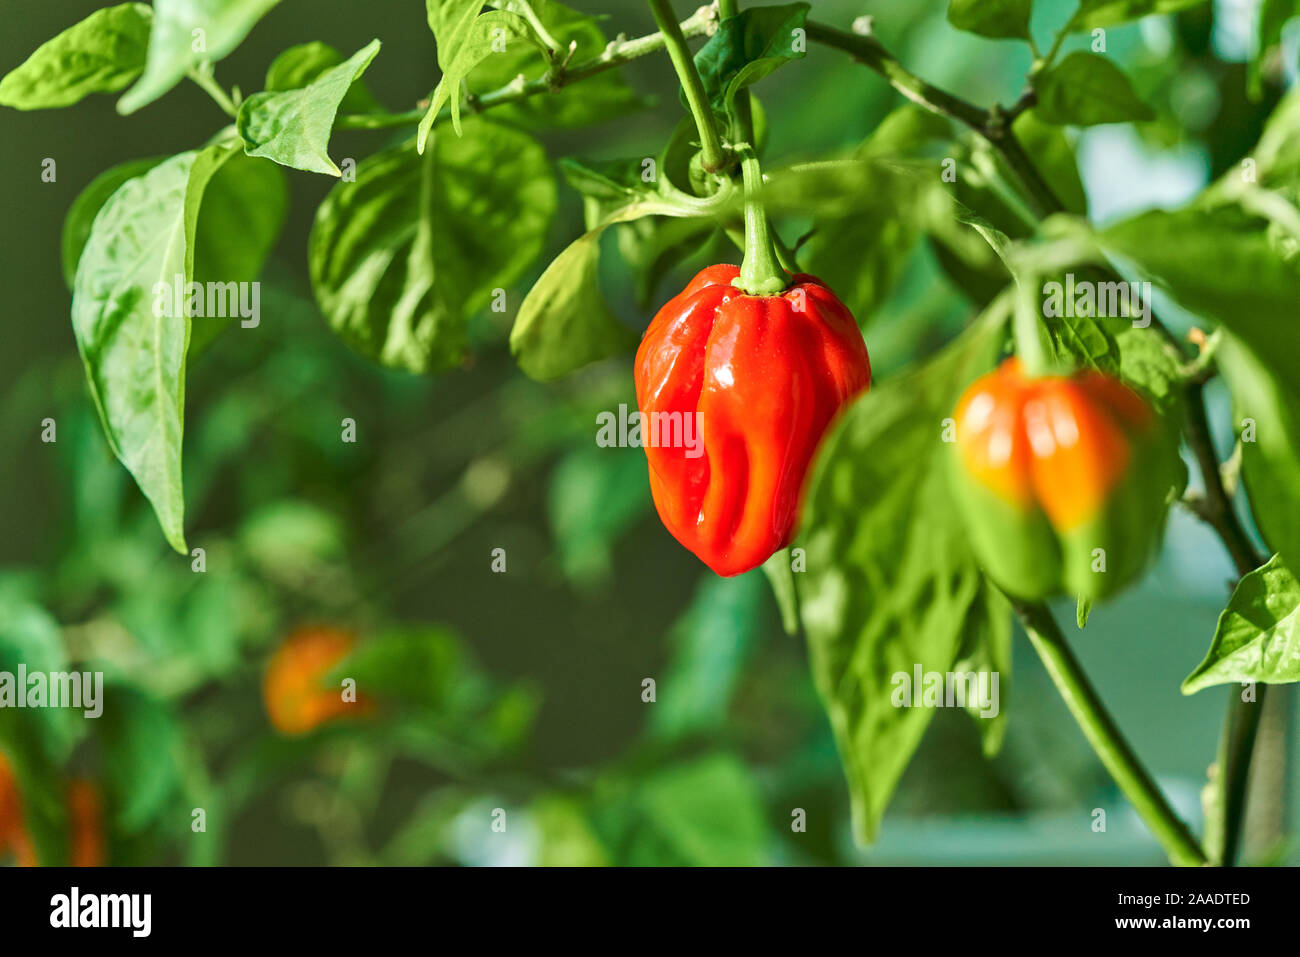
(756, 382)
(1049, 469)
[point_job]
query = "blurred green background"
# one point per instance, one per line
(533, 702)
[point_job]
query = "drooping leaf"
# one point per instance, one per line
(891, 583)
(1266, 414)
(84, 209)
(461, 47)
(185, 33)
(1055, 159)
(299, 65)
(1258, 635)
(403, 255)
(142, 743)
(710, 643)
(293, 127)
(594, 496)
(134, 354)
(748, 47)
(101, 54)
(247, 197)
(1000, 19)
(1086, 89)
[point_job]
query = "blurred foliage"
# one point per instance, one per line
(515, 696)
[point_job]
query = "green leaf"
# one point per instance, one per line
(704, 813)
(101, 54)
(30, 636)
(594, 496)
(1258, 636)
(597, 98)
(1269, 408)
(711, 643)
(861, 247)
(248, 198)
(1221, 265)
(891, 583)
(402, 256)
(142, 744)
(987, 649)
(293, 127)
(135, 359)
(1148, 364)
(84, 209)
(1000, 19)
(1109, 13)
(186, 33)
(1086, 89)
(564, 322)
(748, 47)
(460, 49)
(1082, 609)
(1055, 159)
(299, 65)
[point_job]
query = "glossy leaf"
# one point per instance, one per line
(1086, 89)
(882, 595)
(293, 127)
(1109, 13)
(84, 209)
(403, 255)
(299, 65)
(101, 54)
(134, 356)
(1258, 635)
(185, 33)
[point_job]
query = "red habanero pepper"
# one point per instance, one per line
(736, 392)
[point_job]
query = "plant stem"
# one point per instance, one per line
(617, 53)
(714, 156)
(1090, 714)
(202, 76)
(760, 271)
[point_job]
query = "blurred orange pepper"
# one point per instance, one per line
(13, 836)
(296, 700)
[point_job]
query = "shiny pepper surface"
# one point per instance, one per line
(735, 393)
(1063, 480)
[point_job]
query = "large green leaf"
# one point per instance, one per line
(891, 582)
(293, 127)
(249, 198)
(101, 54)
(1258, 636)
(84, 209)
(1086, 89)
(594, 495)
(1000, 19)
(185, 33)
(403, 255)
(134, 356)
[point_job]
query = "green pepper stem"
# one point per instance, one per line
(1106, 740)
(760, 271)
(714, 155)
